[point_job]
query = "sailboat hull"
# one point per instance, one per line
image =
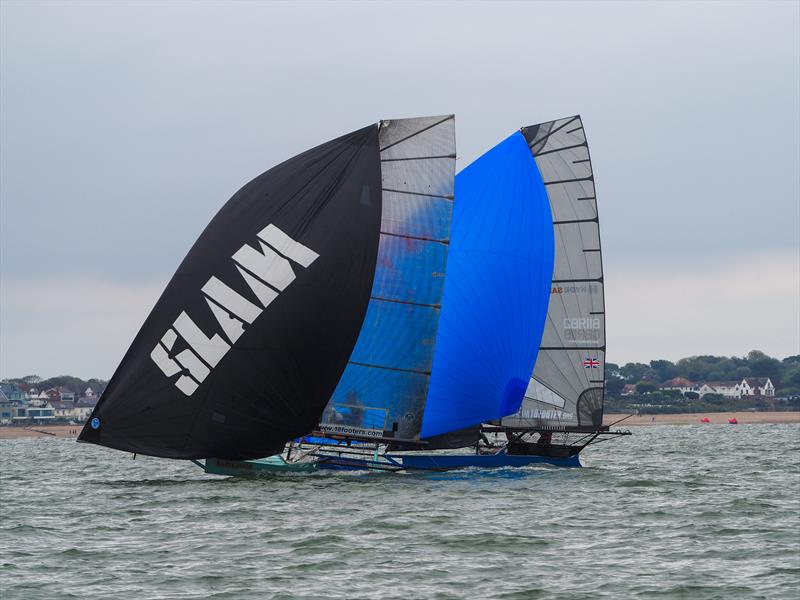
(261, 466)
(446, 462)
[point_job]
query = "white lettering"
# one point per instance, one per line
(582, 323)
(269, 266)
(231, 309)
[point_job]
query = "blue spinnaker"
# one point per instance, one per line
(496, 293)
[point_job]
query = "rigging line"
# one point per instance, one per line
(418, 158)
(552, 131)
(449, 197)
(408, 137)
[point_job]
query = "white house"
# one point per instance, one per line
(729, 389)
(681, 384)
(756, 386)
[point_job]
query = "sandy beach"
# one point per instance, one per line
(71, 431)
(716, 418)
(64, 431)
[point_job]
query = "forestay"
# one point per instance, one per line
(567, 386)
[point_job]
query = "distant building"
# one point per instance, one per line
(7, 410)
(72, 411)
(12, 391)
(34, 413)
(66, 395)
(729, 389)
(757, 386)
(89, 393)
(681, 384)
(628, 389)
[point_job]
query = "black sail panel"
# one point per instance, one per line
(248, 341)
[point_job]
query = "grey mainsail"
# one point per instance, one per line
(383, 390)
(566, 389)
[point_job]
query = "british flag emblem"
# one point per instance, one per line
(591, 362)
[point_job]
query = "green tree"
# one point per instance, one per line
(645, 387)
(762, 365)
(714, 398)
(664, 369)
(633, 372)
(614, 385)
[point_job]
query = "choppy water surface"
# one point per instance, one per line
(671, 512)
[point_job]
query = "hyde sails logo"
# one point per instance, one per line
(267, 272)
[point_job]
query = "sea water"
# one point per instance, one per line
(670, 512)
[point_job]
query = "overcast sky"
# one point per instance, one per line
(124, 127)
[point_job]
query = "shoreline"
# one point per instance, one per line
(716, 418)
(10, 432)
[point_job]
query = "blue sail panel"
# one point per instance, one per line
(496, 293)
(403, 339)
(410, 270)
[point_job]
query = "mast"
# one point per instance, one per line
(567, 385)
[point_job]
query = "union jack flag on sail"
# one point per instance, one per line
(591, 362)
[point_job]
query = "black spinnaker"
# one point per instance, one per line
(248, 341)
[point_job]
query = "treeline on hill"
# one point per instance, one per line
(784, 374)
(73, 384)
